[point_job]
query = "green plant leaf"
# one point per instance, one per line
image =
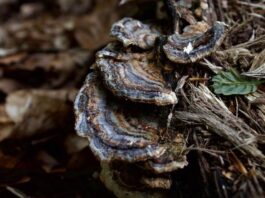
(232, 83)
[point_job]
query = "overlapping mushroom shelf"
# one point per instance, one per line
(124, 131)
(128, 132)
(120, 106)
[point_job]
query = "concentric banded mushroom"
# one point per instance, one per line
(109, 178)
(167, 166)
(188, 47)
(107, 153)
(197, 39)
(133, 32)
(115, 131)
(111, 107)
(134, 76)
(133, 176)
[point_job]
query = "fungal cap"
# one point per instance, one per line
(133, 32)
(194, 45)
(134, 76)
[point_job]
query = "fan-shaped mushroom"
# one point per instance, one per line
(115, 131)
(133, 176)
(134, 76)
(107, 153)
(133, 32)
(111, 107)
(188, 47)
(107, 176)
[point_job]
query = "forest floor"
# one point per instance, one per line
(46, 50)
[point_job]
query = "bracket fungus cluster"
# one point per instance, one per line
(121, 107)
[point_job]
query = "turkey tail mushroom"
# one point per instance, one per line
(107, 153)
(115, 131)
(109, 178)
(167, 166)
(134, 76)
(191, 46)
(133, 32)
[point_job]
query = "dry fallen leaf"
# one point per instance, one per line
(43, 69)
(36, 112)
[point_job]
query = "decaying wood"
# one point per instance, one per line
(206, 109)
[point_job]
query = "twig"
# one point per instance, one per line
(16, 192)
(208, 110)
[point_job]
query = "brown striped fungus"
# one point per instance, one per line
(122, 108)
